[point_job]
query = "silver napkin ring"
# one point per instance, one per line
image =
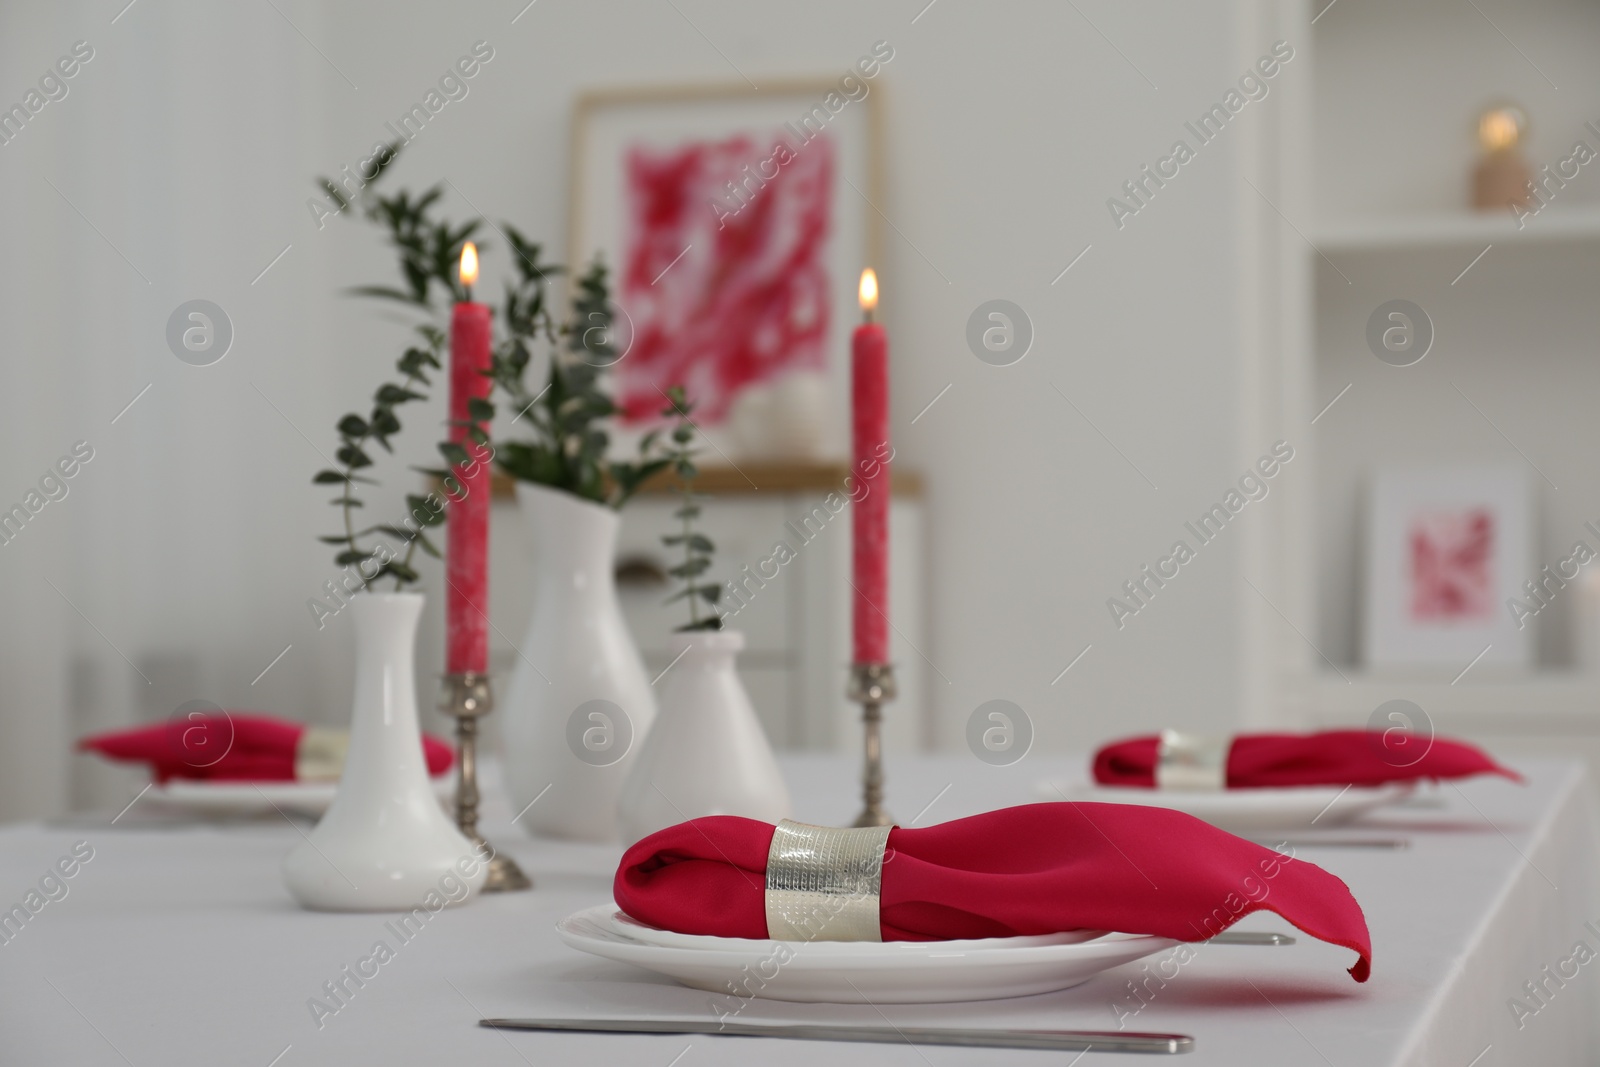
(1192, 763)
(320, 753)
(823, 882)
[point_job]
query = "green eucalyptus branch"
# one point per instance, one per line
(568, 416)
(429, 250)
(697, 547)
(356, 434)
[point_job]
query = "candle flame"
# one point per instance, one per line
(469, 264)
(869, 290)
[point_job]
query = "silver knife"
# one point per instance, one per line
(1250, 937)
(1056, 1040)
(1390, 843)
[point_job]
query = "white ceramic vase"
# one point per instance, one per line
(572, 727)
(385, 844)
(707, 754)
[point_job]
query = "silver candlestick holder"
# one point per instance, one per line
(467, 698)
(871, 686)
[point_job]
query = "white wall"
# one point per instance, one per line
(191, 140)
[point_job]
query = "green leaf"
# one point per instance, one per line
(328, 477)
(353, 426)
(415, 362)
(417, 278)
(344, 559)
(422, 511)
(384, 292)
(710, 593)
(353, 457)
(692, 569)
(454, 454)
(701, 543)
(384, 424)
(389, 393)
(428, 546)
(401, 571)
(399, 532)
(334, 539)
(479, 409)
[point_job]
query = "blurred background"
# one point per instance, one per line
(1195, 318)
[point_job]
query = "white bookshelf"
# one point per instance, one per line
(1369, 162)
(1457, 230)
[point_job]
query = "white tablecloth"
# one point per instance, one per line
(176, 944)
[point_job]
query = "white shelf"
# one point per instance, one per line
(1544, 702)
(1453, 230)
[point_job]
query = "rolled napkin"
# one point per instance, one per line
(236, 746)
(1034, 869)
(1333, 757)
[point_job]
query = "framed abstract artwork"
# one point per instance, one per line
(1447, 549)
(734, 226)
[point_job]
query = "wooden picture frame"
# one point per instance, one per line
(793, 407)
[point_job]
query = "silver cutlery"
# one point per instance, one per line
(1250, 937)
(1391, 843)
(1055, 1040)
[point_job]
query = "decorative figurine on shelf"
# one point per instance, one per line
(707, 753)
(1502, 178)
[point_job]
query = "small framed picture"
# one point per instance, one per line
(1447, 548)
(734, 225)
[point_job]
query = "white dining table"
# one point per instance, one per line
(173, 942)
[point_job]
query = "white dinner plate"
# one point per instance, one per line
(1247, 811)
(254, 798)
(854, 972)
(629, 927)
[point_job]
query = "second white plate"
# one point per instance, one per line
(1247, 811)
(252, 798)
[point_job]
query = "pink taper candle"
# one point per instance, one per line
(466, 561)
(869, 381)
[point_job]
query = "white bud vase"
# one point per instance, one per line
(385, 844)
(579, 703)
(707, 754)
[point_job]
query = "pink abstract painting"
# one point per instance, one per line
(725, 284)
(1452, 573)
